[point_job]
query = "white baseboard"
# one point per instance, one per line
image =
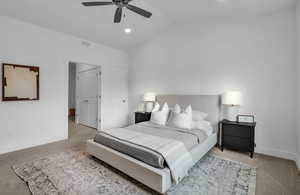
(298, 161)
(276, 153)
(40, 143)
(279, 154)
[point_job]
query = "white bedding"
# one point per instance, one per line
(173, 146)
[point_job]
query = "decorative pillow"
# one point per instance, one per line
(160, 117)
(156, 107)
(180, 119)
(198, 116)
(176, 109)
(203, 125)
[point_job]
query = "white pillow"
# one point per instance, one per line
(160, 117)
(176, 109)
(180, 119)
(198, 116)
(203, 125)
(156, 107)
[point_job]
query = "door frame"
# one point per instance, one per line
(99, 99)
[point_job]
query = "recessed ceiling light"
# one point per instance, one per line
(221, 1)
(127, 30)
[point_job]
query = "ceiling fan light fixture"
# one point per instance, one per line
(127, 30)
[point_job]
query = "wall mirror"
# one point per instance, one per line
(20, 82)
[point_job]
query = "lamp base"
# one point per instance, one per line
(141, 107)
(149, 106)
(231, 113)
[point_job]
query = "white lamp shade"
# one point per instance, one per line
(234, 98)
(149, 97)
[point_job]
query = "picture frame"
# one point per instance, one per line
(20, 82)
(245, 119)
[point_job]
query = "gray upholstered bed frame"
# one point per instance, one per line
(160, 179)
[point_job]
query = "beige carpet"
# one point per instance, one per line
(75, 173)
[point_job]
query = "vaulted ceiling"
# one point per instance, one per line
(96, 23)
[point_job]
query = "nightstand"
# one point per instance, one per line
(142, 117)
(237, 136)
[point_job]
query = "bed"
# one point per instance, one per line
(149, 166)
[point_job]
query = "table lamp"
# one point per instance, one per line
(149, 98)
(232, 101)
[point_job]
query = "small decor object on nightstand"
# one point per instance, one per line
(237, 136)
(142, 117)
(245, 119)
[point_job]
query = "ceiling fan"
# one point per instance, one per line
(120, 5)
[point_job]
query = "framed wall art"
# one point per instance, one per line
(20, 82)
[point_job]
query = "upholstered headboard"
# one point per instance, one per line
(209, 104)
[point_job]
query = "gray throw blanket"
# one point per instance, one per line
(176, 155)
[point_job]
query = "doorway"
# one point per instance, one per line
(85, 95)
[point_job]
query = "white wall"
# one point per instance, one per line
(255, 55)
(26, 124)
(298, 79)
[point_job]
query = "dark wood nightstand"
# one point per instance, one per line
(237, 136)
(142, 117)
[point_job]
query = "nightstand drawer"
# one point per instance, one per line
(236, 131)
(236, 143)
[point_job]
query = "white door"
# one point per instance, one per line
(116, 106)
(88, 90)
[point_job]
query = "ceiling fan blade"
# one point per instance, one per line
(139, 11)
(118, 15)
(96, 3)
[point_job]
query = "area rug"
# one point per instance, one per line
(75, 173)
